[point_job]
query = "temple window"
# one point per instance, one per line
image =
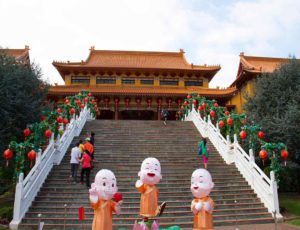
(193, 83)
(101, 80)
(168, 82)
(128, 81)
(147, 82)
(80, 80)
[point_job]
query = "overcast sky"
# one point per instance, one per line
(210, 32)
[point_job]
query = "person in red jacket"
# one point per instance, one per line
(86, 168)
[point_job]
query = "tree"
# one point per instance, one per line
(22, 94)
(275, 106)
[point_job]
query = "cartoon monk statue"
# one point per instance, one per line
(150, 175)
(202, 206)
(101, 194)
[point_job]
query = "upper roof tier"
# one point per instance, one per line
(261, 64)
(135, 60)
(21, 55)
(254, 66)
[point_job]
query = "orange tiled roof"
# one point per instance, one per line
(135, 90)
(18, 54)
(256, 65)
(261, 64)
(137, 59)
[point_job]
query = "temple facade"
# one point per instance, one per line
(137, 84)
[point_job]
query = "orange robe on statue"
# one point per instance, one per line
(203, 219)
(103, 210)
(149, 200)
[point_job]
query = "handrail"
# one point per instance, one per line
(263, 186)
(27, 189)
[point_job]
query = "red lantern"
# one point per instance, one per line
(186, 103)
(59, 119)
(263, 154)
(216, 105)
(48, 133)
(179, 102)
(7, 155)
(182, 107)
(221, 124)
(138, 101)
(67, 101)
(86, 99)
(27, 132)
(127, 101)
(72, 111)
(149, 101)
(106, 102)
(93, 101)
(179, 113)
(194, 101)
(65, 121)
(226, 113)
(243, 134)
(212, 113)
(59, 110)
(284, 154)
(89, 94)
(159, 101)
(188, 96)
(261, 135)
(200, 108)
(169, 101)
(82, 106)
(229, 121)
(31, 155)
(204, 105)
(43, 117)
(118, 197)
(78, 102)
(117, 100)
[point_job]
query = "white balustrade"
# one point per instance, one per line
(263, 186)
(27, 189)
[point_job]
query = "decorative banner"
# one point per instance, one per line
(169, 101)
(149, 102)
(117, 101)
(159, 101)
(138, 101)
(106, 102)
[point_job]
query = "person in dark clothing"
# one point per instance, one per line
(92, 138)
(164, 114)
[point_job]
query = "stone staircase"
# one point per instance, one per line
(121, 147)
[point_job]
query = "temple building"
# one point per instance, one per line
(249, 68)
(21, 55)
(137, 84)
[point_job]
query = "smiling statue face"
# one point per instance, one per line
(201, 183)
(106, 184)
(150, 171)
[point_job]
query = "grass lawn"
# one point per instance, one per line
(291, 205)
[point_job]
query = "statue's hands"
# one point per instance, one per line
(207, 207)
(118, 207)
(93, 195)
(138, 183)
(197, 207)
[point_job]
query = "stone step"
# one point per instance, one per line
(122, 146)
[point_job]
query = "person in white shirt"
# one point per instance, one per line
(75, 157)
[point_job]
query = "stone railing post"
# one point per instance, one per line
(274, 195)
(17, 205)
(38, 158)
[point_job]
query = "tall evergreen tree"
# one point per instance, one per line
(22, 94)
(276, 106)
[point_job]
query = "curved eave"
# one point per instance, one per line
(142, 91)
(63, 68)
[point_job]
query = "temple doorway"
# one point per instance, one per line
(137, 115)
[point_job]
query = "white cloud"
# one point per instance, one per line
(64, 30)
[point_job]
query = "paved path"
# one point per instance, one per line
(261, 227)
